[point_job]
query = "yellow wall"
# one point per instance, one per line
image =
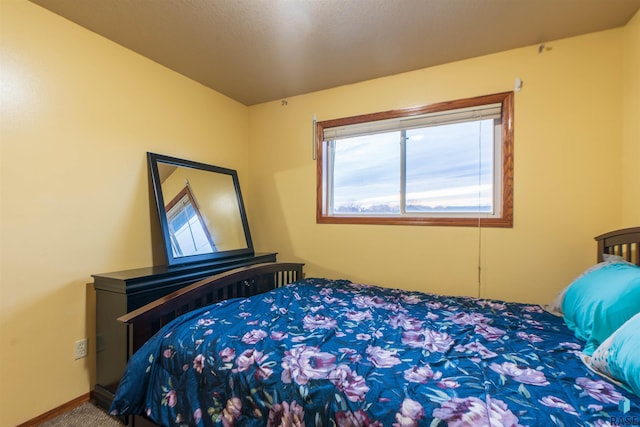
(568, 121)
(78, 115)
(630, 181)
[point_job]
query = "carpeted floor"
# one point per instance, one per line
(85, 415)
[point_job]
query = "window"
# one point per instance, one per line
(188, 232)
(443, 164)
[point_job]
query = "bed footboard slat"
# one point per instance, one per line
(240, 282)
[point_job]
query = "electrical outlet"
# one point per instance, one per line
(81, 349)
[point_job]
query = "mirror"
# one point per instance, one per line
(200, 208)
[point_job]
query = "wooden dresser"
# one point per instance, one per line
(120, 292)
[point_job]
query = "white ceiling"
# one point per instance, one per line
(263, 50)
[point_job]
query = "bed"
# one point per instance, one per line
(262, 345)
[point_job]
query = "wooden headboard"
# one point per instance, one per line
(624, 242)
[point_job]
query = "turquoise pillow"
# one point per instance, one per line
(556, 305)
(619, 356)
(597, 303)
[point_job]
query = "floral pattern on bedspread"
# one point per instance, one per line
(322, 352)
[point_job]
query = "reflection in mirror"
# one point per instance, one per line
(201, 210)
(188, 232)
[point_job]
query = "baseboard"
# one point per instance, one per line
(49, 415)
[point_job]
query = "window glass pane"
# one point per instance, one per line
(187, 231)
(191, 237)
(450, 168)
(366, 174)
(180, 217)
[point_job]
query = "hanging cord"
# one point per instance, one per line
(314, 137)
(479, 203)
(479, 259)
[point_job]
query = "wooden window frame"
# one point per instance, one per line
(505, 219)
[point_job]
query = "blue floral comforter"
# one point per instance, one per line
(324, 353)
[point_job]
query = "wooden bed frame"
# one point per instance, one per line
(624, 242)
(239, 282)
(251, 280)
